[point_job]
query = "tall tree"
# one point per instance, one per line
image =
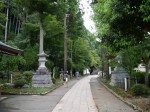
(2, 19)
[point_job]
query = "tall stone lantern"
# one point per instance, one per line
(41, 77)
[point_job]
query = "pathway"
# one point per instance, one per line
(78, 98)
(34, 103)
(106, 101)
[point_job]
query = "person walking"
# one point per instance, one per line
(77, 75)
(66, 79)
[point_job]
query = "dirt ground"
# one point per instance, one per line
(143, 103)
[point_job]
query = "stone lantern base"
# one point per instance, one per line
(41, 78)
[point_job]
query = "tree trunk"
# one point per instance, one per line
(65, 44)
(107, 68)
(102, 69)
(9, 25)
(16, 26)
(6, 25)
(13, 20)
(147, 72)
(8, 76)
(71, 58)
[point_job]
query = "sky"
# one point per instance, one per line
(88, 12)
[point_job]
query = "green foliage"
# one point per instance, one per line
(28, 76)
(123, 25)
(49, 64)
(144, 8)
(120, 23)
(82, 57)
(57, 72)
(130, 57)
(23, 32)
(144, 53)
(7, 86)
(139, 77)
(30, 55)
(39, 6)
(139, 89)
(54, 80)
(11, 63)
(30, 32)
(31, 90)
(2, 18)
(52, 26)
(19, 80)
(17, 76)
(19, 83)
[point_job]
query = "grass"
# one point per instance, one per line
(31, 90)
(118, 90)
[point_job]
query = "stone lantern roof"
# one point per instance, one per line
(7, 49)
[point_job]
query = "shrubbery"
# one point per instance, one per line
(139, 77)
(140, 89)
(28, 76)
(19, 83)
(8, 85)
(54, 80)
(19, 80)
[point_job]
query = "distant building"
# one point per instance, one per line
(86, 72)
(140, 68)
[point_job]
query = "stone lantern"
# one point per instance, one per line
(42, 77)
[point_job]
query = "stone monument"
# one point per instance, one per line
(42, 77)
(119, 73)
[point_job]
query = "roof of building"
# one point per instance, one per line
(7, 49)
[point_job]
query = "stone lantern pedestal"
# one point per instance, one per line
(42, 77)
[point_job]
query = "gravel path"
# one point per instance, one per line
(105, 101)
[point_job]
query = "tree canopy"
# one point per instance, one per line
(124, 26)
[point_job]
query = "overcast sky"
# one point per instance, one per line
(88, 22)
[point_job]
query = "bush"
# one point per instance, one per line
(19, 80)
(8, 85)
(19, 83)
(140, 76)
(28, 76)
(139, 89)
(54, 80)
(17, 76)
